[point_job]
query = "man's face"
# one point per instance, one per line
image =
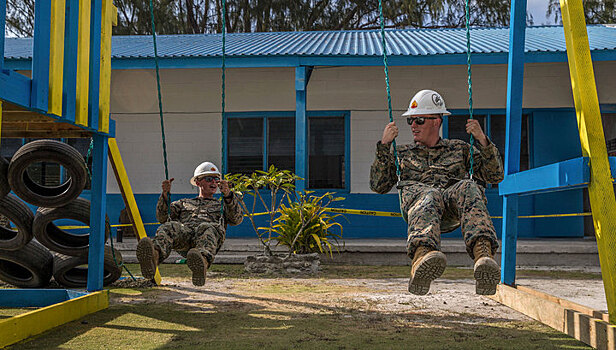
(425, 128)
(208, 184)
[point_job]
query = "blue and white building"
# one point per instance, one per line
(316, 103)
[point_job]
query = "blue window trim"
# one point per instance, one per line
(291, 114)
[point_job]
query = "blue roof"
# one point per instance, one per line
(340, 44)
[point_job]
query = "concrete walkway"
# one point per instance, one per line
(540, 252)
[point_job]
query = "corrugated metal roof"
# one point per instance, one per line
(361, 43)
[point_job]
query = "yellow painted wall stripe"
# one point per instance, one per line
(56, 57)
(105, 69)
(600, 189)
(20, 327)
(127, 193)
(83, 63)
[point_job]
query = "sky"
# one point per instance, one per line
(538, 8)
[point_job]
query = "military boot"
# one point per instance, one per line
(486, 271)
(148, 255)
(428, 265)
(198, 265)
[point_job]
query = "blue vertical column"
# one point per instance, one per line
(2, 32)
(97, 212)
(515, 87)
(301, 127)
(71, 33)
(40, 56)
(96, 14)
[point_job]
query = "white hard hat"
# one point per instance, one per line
(205, 168)
(426, 102)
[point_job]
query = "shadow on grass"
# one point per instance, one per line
(246, 322)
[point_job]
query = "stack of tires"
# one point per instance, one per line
(37, 249)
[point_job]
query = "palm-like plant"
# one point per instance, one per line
(304, 226)
(275, 181)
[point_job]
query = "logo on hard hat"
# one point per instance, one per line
(213, 169)
(414, 104)
(438, 101)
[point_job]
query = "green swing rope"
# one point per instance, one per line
(160, 106)
(389, 109)
(470, 83)
(222, 107)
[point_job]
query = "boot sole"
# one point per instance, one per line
(429, 270)
(145, 254)
(487, 276)
(196, 264)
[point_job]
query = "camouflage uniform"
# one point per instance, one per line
(195, 223)
(5, 222)
(437, 192)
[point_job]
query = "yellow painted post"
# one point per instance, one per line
(83, 63)
(600, 190)
(127, 193)
(20, 327)
(109, 18)
(56, 57)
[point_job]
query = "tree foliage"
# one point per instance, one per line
(205, 16)
(595, 11)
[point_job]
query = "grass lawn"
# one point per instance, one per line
(344, 307)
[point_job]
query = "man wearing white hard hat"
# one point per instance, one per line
(438, 194)
(194, 227)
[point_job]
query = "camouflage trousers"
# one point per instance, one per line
(207, 237)
(432, 209)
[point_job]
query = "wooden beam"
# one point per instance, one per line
(20, 327)
(578, 321)
(127, 194)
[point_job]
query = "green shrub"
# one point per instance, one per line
(276, 181)
(304, 226)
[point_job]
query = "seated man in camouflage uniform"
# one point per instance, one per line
(194, 227)
(437, 193)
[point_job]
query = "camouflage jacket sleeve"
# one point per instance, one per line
(5, 222)
(383, 171)
(233, 210)
(489, 166)
(162, 213)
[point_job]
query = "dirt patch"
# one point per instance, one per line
(342, 308)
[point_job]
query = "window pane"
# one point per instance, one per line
(497, 135)
(326, 155)
(245, 145)
(281, 143)
(457, 126)
(44, 173)
(9, 147)
(609, 128)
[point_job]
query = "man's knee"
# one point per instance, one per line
(168, 227)
(428, 198)
(470, 185)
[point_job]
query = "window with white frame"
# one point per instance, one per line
(254, 142)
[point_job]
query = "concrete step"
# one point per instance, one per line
(540, 252)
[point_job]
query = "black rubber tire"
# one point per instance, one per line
(29, 267)
(48, 151)
(4, 182)
(21, 216)
(61, 241)
(72, 271)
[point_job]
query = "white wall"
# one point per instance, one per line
(191, 100)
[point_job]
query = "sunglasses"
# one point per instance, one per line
(418, 120)
(209, 178)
